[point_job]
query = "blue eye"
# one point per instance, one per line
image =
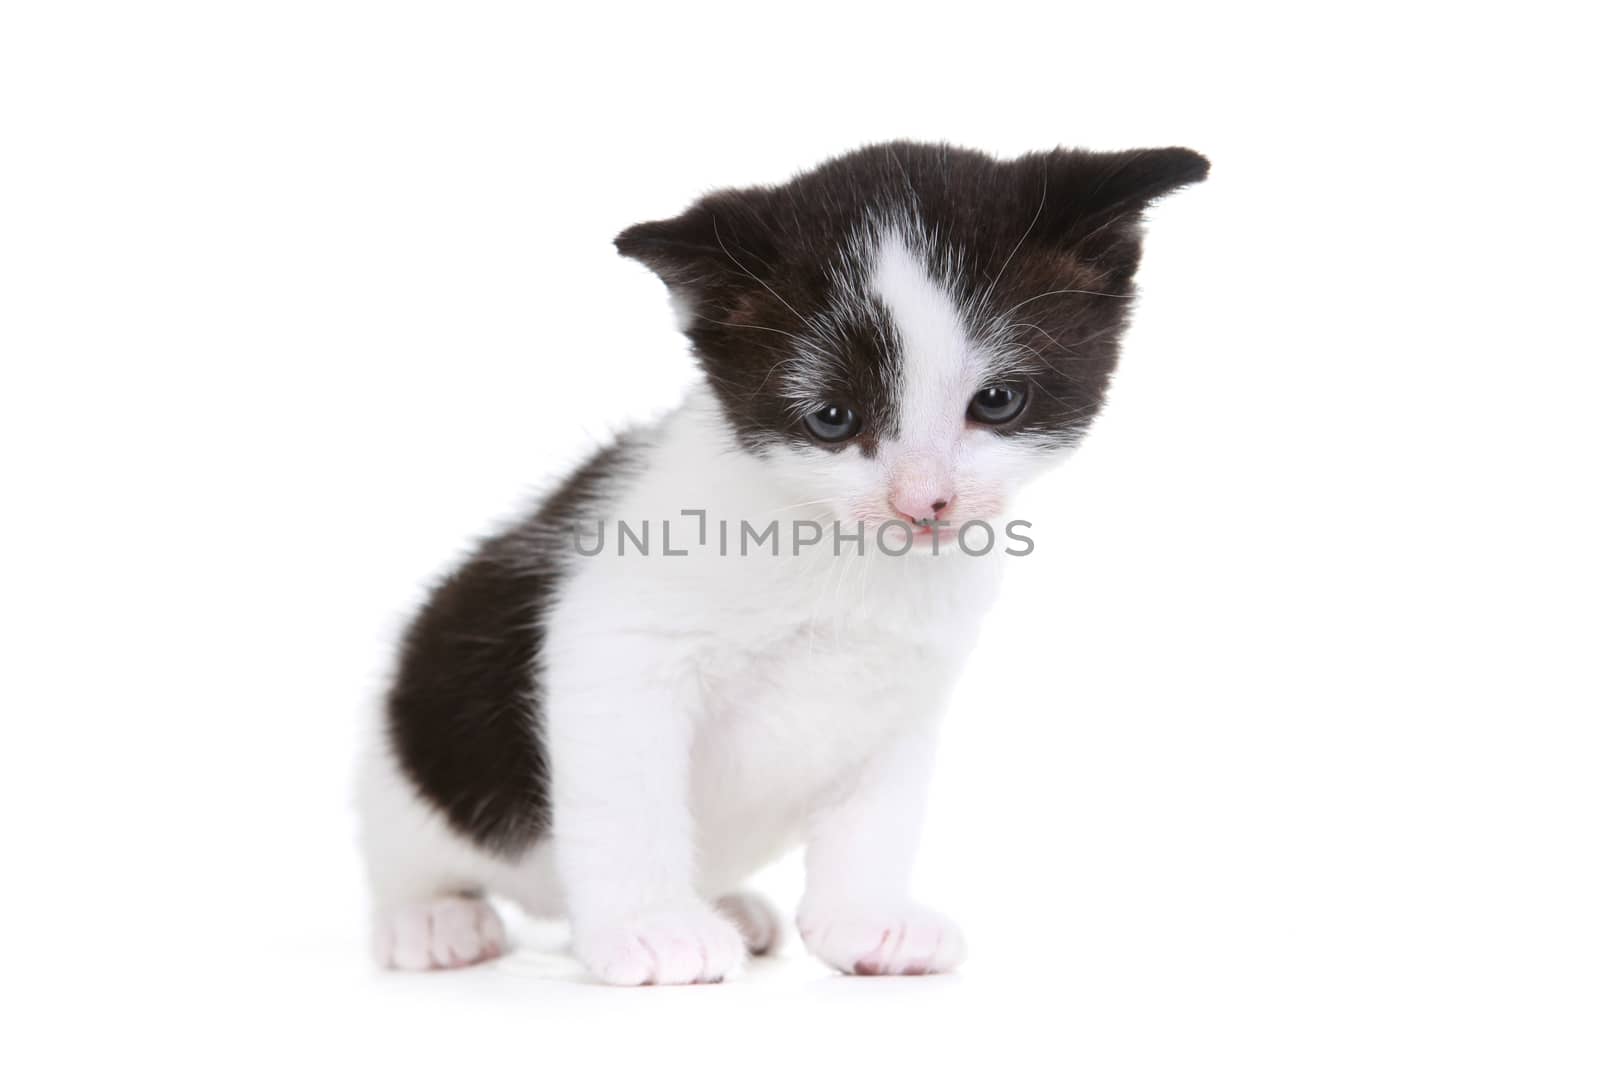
(996, 405)
(833, 423)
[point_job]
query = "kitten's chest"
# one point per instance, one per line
(780, 731)
(832, 657)
(785, 720)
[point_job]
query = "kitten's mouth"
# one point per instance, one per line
(925, 534)
(921, 528)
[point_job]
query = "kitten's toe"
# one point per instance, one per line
(441, 933)
(758, 921)
(900, 940)
(676, 947)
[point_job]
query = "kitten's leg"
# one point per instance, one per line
(619, 736)
(857, 914)
(757, 920)
(427, 882)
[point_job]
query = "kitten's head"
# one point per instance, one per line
(911, 331)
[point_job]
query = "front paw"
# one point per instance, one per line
(670, 947)
(896, 939)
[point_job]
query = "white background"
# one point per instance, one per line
(1282, 748)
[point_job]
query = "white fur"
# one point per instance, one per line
(939, 375)
(940, 369)
(704, 714)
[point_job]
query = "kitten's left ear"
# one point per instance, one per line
(1087, 193)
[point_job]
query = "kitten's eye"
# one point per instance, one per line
(997, 404)
(833, 423)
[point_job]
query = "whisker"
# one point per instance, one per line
(1063, 292)
(752, 326)
(1043, 194)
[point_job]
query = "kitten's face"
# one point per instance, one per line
(910, 332)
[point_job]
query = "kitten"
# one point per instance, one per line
(619, 730)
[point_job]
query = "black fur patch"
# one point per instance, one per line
(464, 712)
(1043, 250)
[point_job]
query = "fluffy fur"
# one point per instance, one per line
(623, 737)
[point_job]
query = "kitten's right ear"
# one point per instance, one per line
(710, 246)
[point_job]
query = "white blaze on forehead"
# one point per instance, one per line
(935, 349)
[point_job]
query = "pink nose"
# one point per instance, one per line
(919, 506)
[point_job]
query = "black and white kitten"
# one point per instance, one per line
(620, 731)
